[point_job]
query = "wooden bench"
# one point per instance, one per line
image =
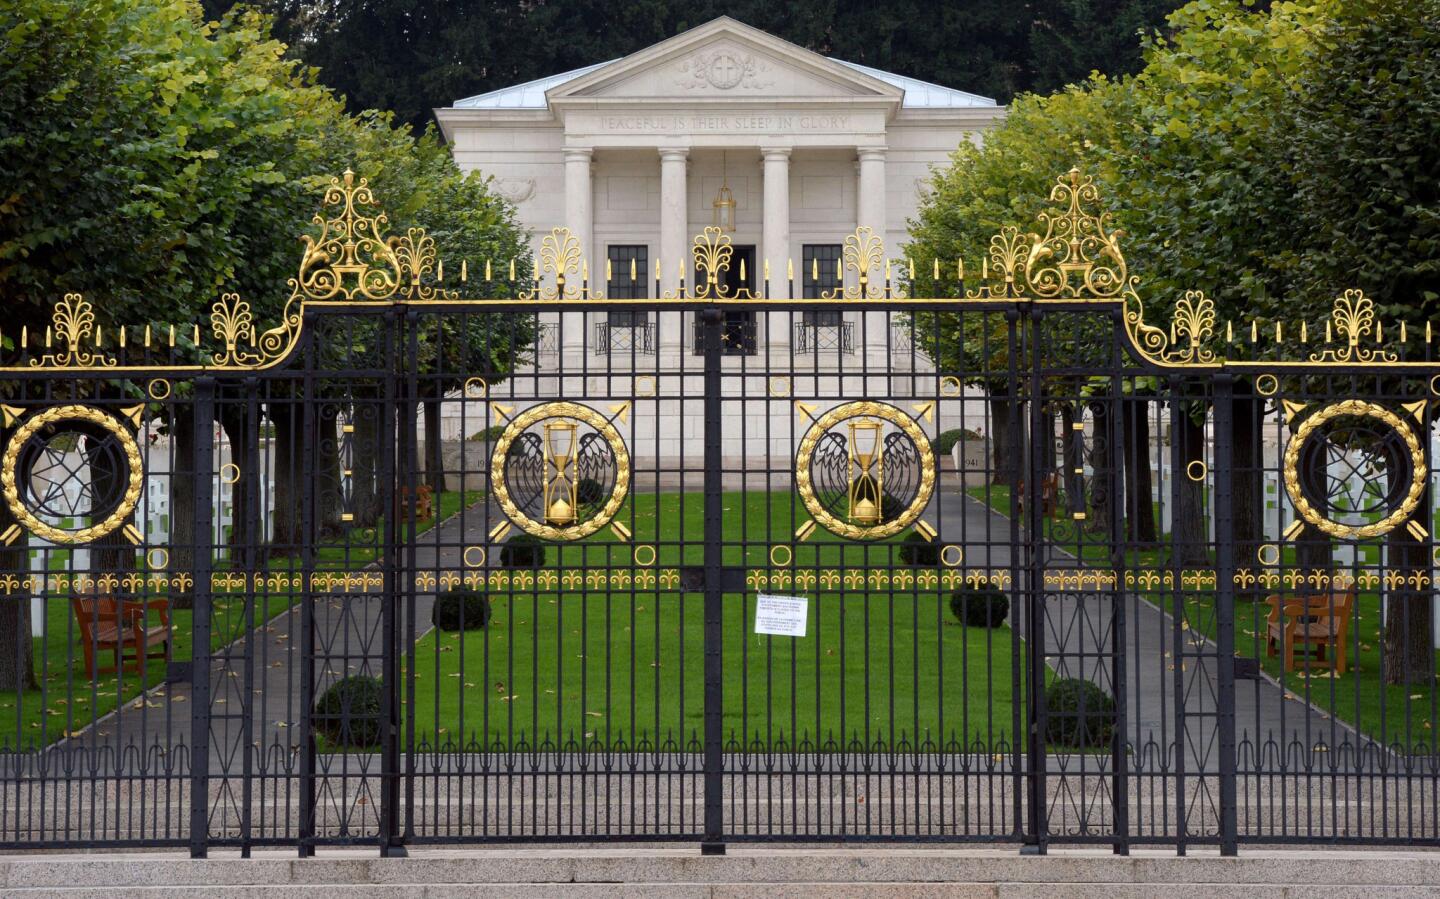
(1049, 495)
(1313, 624)
(421, 501)
(121, 627)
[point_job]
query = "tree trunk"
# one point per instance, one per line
(182, 501)
(434, 465)
(1189, 537)
(364, 498)
(329, 503)
(288, 417)
(1004, 440)
(245, 454)
(1139, 508)
(17, 647)
(1105, 478)
(1070, 458)
(1247, 482)
(1409, 625)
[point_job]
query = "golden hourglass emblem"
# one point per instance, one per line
(867, 471)
(560, 480)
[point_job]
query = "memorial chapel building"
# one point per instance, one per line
(632, 155)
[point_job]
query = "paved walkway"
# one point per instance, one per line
(1162, 667)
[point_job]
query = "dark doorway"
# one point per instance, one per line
(738, 337)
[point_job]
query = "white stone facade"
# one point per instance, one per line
(631, 153)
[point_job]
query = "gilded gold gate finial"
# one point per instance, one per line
(72, 323)
(1077, 257)
(351, 259)
(711, 251)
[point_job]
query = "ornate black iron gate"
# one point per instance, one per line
(1012, 564)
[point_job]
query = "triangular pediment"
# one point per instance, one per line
(724, 60)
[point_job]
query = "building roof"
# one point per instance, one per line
(531, 95)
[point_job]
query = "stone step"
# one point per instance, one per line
(599, 873)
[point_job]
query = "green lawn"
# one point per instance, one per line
(68, 700)
(1388, 713)
(615, 667)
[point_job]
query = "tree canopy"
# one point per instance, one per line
(151, 160)
(413, 55)
(1268, 157)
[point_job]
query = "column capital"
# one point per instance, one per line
(674, 154)
(775, 152)
(865, 154)
(575, 154)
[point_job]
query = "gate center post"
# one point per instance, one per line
(713, 840)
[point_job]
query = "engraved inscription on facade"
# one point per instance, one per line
(716, 122)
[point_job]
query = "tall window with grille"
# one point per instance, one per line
(821, 277)
(626, 329)
(822, 329)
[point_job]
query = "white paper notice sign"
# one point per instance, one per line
(783, 616)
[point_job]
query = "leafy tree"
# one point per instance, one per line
(413, 55)
(1270, 157)
(152, 161)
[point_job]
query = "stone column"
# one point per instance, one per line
(579, 199)
(775, 248)
(870, 212)
(775, 236)
(674, 245)
(579, 219)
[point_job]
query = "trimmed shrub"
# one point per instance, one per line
(1080, 715)
(461, 610)
(946, 441)
(983, 606)
(522, 551)
(916, 550)
(348, 714)
(490, 434)
(891, 507)
(588, 492)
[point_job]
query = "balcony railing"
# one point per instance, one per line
(637, 338)
(826, 337)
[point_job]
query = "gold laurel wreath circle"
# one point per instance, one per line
(11, 489)
(806, 487)
(580, 413)
(1312, 515)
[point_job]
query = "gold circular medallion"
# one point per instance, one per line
(1355, 440)
(860, 482)
(560, 471)
(71, 464)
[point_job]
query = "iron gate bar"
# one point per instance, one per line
(1224, 384)
(200, 666)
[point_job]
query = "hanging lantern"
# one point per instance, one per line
(724, 200)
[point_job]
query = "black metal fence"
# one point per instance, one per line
(1016, 567)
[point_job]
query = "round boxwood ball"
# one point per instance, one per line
(1080, 715)
(983, 606)
(348, 714)
(523, 551)
(588, 492)
(461, 610)
(916, 550)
